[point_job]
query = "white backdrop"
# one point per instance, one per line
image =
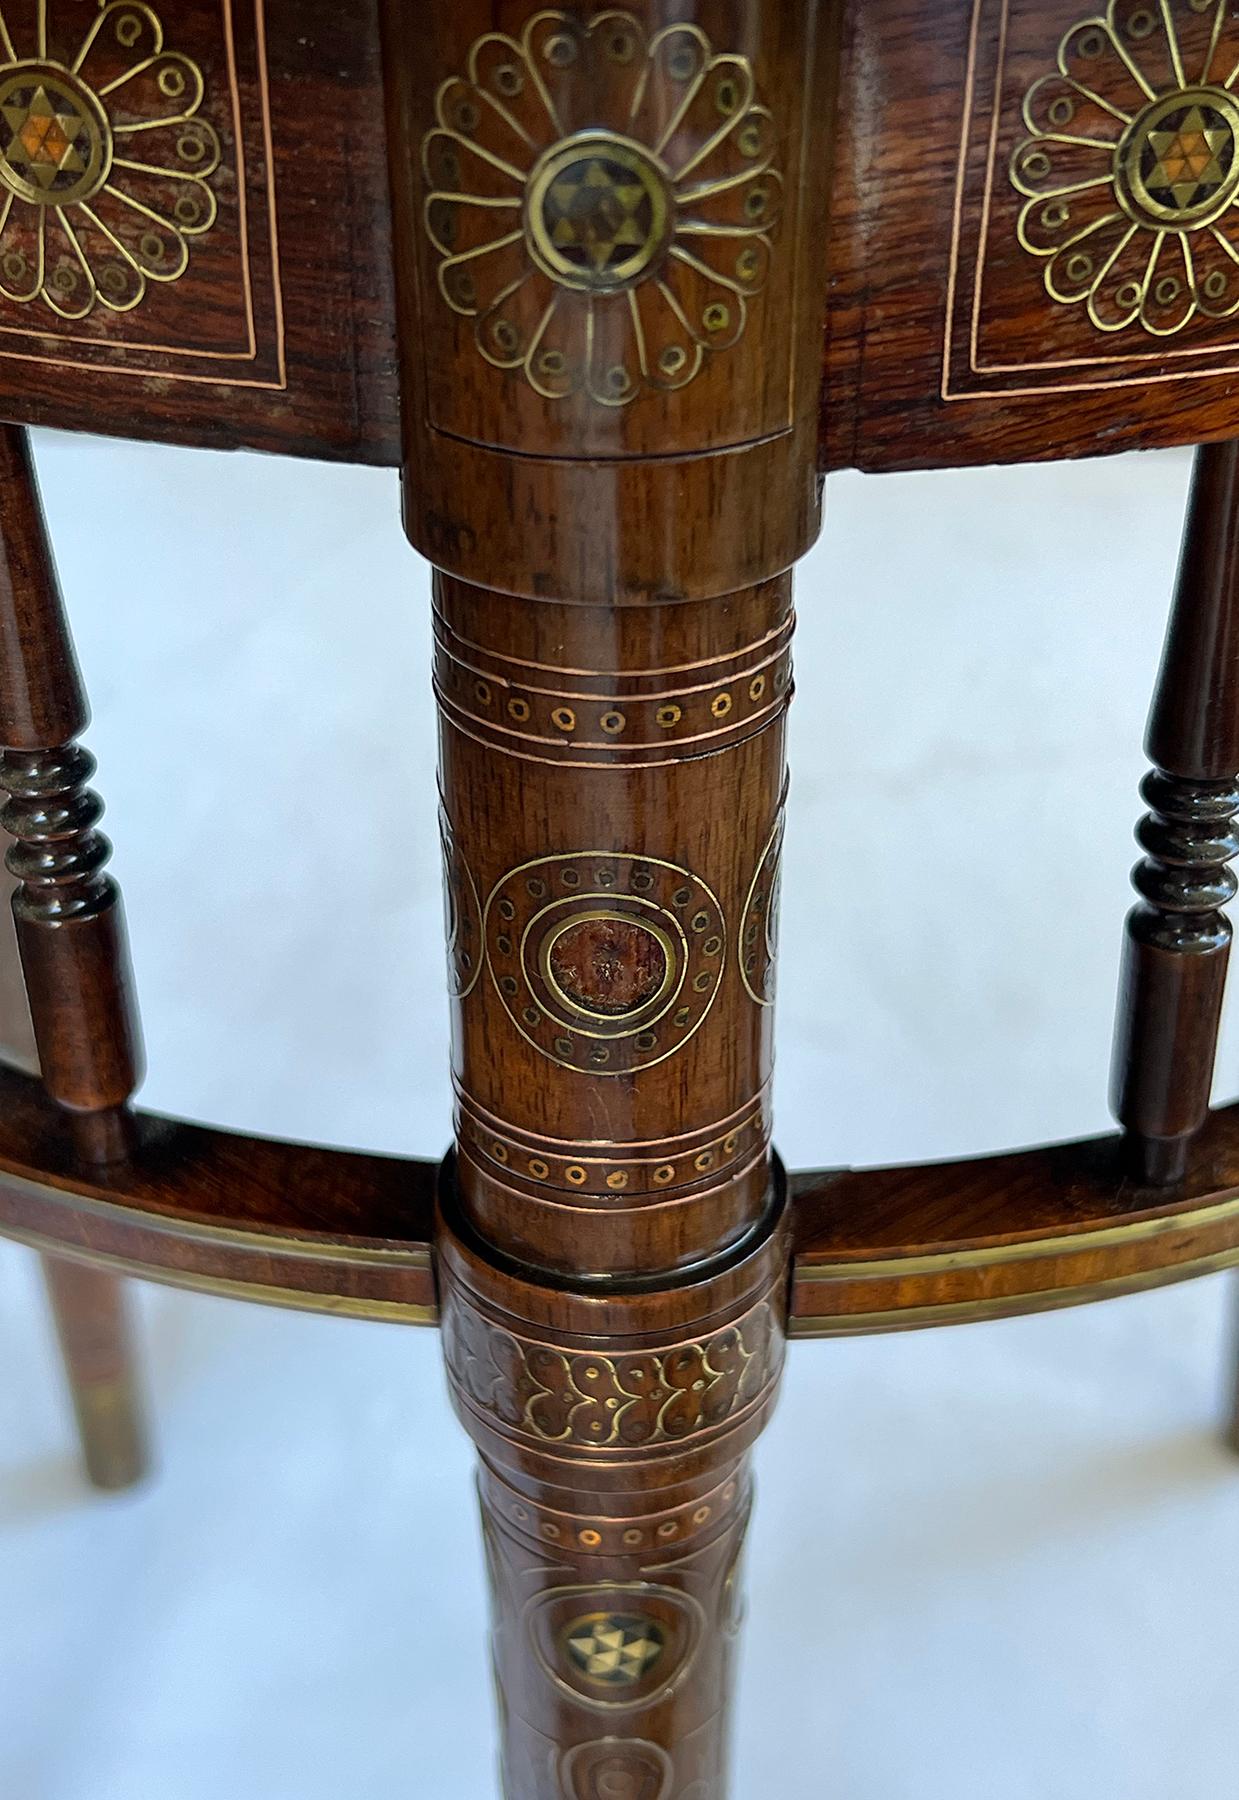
(993, 1564)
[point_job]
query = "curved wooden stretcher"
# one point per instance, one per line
(875, 1249)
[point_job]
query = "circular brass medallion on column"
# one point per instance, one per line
(605, 962)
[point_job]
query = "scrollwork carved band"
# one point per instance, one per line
(667, 1395)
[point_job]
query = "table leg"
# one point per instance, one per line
(91, 1312)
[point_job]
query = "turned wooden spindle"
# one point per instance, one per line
(1178, 937)
(71, 939)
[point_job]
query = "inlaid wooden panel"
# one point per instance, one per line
(194, 237)
(1036, 242)
(566, 154)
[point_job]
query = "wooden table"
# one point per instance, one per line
(615, 287)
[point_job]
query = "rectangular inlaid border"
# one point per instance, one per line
(223, 377)
(1223, 359)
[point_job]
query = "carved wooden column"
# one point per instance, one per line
(71, 937)
(1178, 937)
(611, 287)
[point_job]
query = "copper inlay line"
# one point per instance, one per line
(718, 1128)
(784, 630)
(616, 689)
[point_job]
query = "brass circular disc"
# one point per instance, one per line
(55, 139)
(1177, 164)
(598, 212)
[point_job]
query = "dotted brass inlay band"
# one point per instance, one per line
(104, 164)
(1131, 171)
(619, 1172)
(718, 707)
(668, 1532)
(602, 202)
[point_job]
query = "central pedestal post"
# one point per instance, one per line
(607, 220)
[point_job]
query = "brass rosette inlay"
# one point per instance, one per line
(1131, 171)
(105, 165)
(602, 202)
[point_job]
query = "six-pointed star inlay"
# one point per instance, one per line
(597, 213)
(48, 140)
(1189, 164)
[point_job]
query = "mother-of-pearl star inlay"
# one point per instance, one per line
(1190, 162)
(614, 1649)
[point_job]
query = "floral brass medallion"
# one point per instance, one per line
(1132, 169)
(602, 202)
(104, 166)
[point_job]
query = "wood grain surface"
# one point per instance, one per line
(944, 347)
(278, 333)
